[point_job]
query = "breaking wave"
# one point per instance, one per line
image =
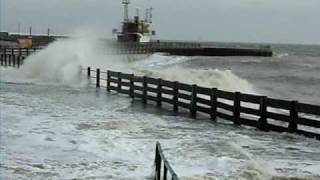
(60, 62)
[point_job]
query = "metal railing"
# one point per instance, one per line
(159, 159)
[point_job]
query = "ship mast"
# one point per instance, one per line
(126, 10)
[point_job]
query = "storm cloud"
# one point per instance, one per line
(273, 21)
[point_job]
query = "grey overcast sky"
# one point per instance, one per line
(271, 21)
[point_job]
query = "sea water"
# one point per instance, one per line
(54, 125)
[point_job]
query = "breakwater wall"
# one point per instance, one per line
(170, 48)
(261, 112)
(188, 49)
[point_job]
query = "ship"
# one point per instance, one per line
(136, 36)
(136, 29)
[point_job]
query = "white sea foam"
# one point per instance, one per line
(61, 60)
(222, 79)
(257, 168)
(281, 55)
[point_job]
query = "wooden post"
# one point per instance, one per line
(14, 60)
(213, 102)
(145, 92)
(262, 123)
(108, 81)
(9, 59)
(159, 93)
(98, 78)
(293, 125)
(89, 73)
(1, 59)
(236, 112)
(6, 60)
(119, 82)
(193, 102)
(175, 96)
(131, 93)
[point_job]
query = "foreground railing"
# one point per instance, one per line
(264, 113)
(158, 160)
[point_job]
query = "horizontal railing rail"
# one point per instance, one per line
(158, 160)
(264, 113)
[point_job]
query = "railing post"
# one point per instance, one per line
(175, 96)
(159, 93)
(98, 78)
(108, 80)
(119, 82)
(262, 122)
(236, 112)
(293, 125)
(19, 51)
(145, 92)
(6, 60)
(131, 86)
(9, 59)
(14, 60)
(1, 59)
(157, 163)
(89, 73)
(27, 49)
(193, 102)
(213, 102)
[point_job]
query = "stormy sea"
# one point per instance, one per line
(55, 125)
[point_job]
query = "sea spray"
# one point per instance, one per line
(60, 62)
(173, 68)
(214, 78)
(256, 167)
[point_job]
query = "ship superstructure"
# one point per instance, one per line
(136, 29)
